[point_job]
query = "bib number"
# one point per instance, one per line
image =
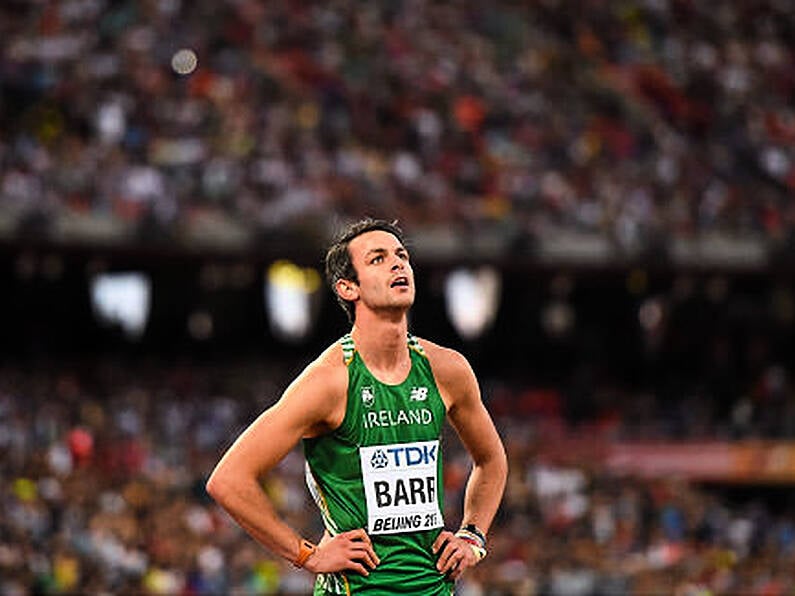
(401, 487)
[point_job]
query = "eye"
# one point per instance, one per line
(376, 260)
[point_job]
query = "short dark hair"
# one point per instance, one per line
(338, 258)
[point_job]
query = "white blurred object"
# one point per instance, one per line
(184, 61)
(123, 299)
(211, 560)
(472, 297)
(111, 122)
(554, 482)
(289, 290)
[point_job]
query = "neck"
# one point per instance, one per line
(381, 341)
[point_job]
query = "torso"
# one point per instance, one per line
(380, 468)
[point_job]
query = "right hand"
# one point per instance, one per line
(348, 551)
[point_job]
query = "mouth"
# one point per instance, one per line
(400, 282)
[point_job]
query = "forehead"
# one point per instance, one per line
(375, 240)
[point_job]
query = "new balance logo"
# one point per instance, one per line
(418, 394)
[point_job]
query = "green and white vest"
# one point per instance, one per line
(381, 470)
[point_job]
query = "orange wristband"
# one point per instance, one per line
(306, 550)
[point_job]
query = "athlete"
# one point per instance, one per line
(370, 411)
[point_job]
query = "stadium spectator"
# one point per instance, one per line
(662, 120)
(102, 490)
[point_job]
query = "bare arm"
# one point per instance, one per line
(474, 426)
(309, 406)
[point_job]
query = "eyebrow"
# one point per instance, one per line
(382, 251)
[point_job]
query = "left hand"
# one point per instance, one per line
(456, 555)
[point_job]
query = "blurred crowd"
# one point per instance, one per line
(637, 120)
(102, 472)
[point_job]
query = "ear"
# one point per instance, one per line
(347, 290)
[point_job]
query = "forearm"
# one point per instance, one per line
(463, 549)
(484, 491)
(246, 502)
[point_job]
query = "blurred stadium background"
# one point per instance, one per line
(598, 196)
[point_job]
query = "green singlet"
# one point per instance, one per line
(381, 470)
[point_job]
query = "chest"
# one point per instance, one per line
(380, 413)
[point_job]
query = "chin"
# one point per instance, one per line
(403, 303)
(408, 297)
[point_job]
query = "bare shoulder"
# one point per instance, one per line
(446, 362)
(321, 389)
(329, 364)
(452, 371)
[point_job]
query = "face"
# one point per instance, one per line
(386, 280)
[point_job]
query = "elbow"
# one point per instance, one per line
(494, 466)
(216, 487)
(501, 465)
(228, 483)
(211, 487)
(498, 466)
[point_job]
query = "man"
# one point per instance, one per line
(370, 411)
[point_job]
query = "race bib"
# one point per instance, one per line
(400, 484)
